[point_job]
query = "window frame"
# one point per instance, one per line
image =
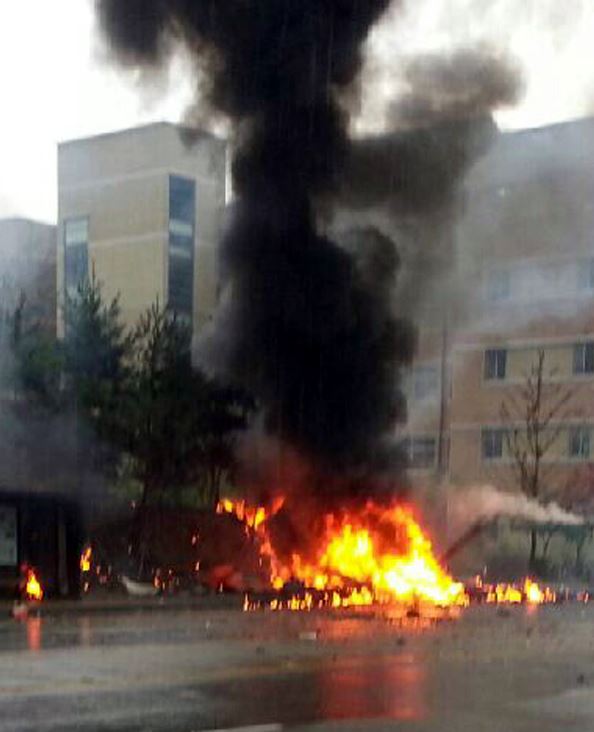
(181, 245)
(411, 442)
(71, 247)
(496, 375)
(583, 358)
(580, 435)
(487, 434)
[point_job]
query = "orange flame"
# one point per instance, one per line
(33, 589)
(534, 595)
(252, 516)
(377, 554)
(86, 559)
(504, 594)
(528, 591)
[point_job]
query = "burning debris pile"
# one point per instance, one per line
(379, 555)
(375, 555)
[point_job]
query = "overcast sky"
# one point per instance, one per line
(55, 86)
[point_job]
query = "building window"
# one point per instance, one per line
(585, 274)
(498, 285)
(579, 442)
(182, 224)
(425, 381)
(495, 363)
(76, 254)
(492, 443)
(420, 451)
(583, 358)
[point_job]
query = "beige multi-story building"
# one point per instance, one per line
(528, 243)
(142, 209)
(524, 268)
(28, 268)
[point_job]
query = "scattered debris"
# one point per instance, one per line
(20, 611)
(139, 589)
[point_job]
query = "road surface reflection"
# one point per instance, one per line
(34, 627)
(383, 687)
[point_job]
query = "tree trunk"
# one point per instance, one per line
(545, 545)
(139, 539)
(532, 558)
(579, 566)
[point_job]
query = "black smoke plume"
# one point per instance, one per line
(306, 324)
(437, 127)
(302, 324)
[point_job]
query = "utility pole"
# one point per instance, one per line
(442, 439)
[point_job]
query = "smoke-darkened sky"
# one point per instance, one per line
(54, 87)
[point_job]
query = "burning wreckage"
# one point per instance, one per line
(375, 556)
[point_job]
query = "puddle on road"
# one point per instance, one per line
(383, 687)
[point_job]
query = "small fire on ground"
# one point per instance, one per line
(503, 593)
(86, 559)
(33, 588)
(377, 555)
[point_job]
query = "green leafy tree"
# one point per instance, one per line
(68, 393)
(128, 405)
(97, 352)
(224, 411)
(180, 424)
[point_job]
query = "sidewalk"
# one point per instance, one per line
(120, 603)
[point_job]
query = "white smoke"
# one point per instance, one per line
(486, 503)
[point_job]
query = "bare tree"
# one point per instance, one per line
(533, 416)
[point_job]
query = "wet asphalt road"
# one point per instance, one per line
(525, 670)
